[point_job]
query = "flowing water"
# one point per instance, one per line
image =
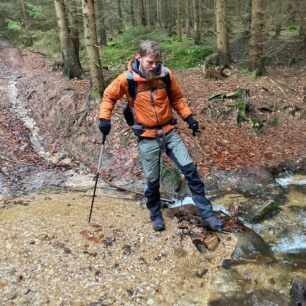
(21, 110)
(256, 282)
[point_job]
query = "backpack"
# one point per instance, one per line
(128, 111)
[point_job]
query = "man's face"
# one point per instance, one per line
(148, 65)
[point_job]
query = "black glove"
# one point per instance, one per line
(193, 124)
(104, 126)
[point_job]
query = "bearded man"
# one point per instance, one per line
(152, 93)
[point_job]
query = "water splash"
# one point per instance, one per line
(296, 179)
(293, 243)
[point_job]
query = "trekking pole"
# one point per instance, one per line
(97, 176)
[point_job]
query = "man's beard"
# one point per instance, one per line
(148, 74)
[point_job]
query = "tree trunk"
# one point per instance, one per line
(247, 18)
(92, 47)
(149, 13)
(133, 13)
(222, 33)
(179, 19)
(72, 68)
(256, 40)
(196, 14)
(302, 20)
(168, 17)
(120, 16)
(101, 23)
(143, 13)
(73, 27)
(159, 12)
(23, 9)
(28, 39)
(187, 20)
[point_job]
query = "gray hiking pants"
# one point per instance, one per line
(150, 152)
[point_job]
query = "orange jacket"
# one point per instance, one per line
(152, 107)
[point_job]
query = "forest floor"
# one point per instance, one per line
(53, 244)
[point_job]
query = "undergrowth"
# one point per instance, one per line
(176, 54)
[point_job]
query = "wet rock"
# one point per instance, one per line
(261, 210)
(251, 246)
(256, 298)
(130, 292)
(296, 258)
(298, 291)
(259, 182)
(292, 166)
(227, 263)
(200, 246)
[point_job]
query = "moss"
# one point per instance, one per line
(262, 210)
(170, 178)
(273, 122)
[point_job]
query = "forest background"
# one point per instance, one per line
(241, 65)
(94, 34)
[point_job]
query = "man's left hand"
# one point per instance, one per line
(193, 124)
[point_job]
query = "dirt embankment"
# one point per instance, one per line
(270, 140)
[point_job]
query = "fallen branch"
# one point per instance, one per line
(122, 188)
(220, 95)
(280, 88)
(16, 161)
(290, 88)
(40, 53)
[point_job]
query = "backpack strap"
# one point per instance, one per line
(131, 84)
(167, 82)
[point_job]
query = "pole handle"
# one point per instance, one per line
(103, 139)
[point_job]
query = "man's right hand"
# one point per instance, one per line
(104, 126)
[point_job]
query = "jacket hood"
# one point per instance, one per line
(134, 66)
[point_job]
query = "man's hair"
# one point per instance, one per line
(149, 47)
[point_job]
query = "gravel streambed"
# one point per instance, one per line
(50, 255)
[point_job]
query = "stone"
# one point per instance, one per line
(261, 297)
(211, 242)
(298, 291)
(251, 246)
(261, 211)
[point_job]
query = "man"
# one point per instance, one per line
(151, 100)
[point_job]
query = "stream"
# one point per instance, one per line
(256, 282)
(247, 283)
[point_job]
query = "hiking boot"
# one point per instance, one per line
(213, 223)
(158, 224)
